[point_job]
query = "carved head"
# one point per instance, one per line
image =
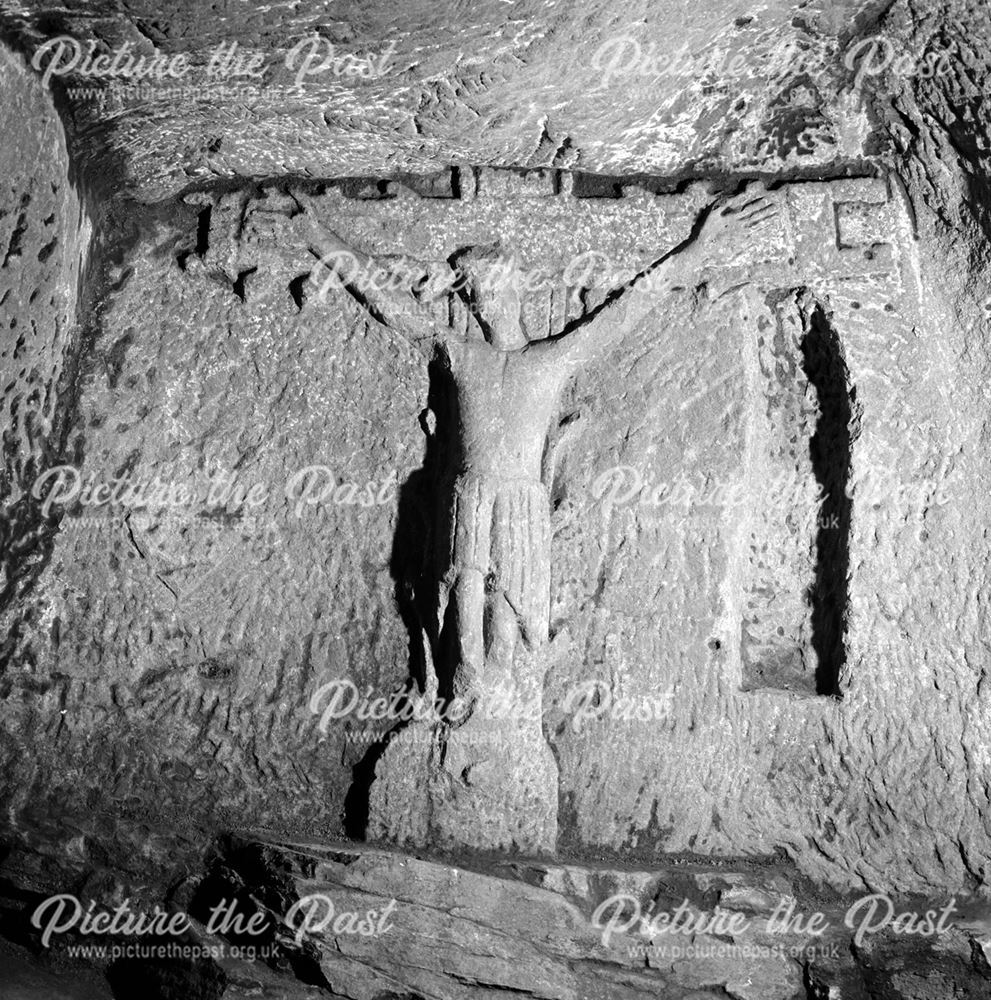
(493, 281)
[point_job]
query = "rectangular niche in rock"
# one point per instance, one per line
(795, 603)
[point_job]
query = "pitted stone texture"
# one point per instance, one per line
(226, 615)
(878, 319)
(645, 91)
(485, 928)
(456, 932)
(478, 927)
(43, 238)
(224, 622)
(490, 784)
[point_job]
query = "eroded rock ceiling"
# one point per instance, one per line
(671, 88)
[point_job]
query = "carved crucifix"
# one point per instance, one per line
(508, 390)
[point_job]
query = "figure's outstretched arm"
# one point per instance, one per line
(623, 310)
(342, 266)
(625, 307)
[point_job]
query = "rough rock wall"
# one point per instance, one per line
(193, 632)
(887, 786)
(43, 240)
(841, 782)
(191, 629)
(468, 932)
(44, 237)
(579, 84)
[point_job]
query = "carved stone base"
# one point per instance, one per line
(496, 787)
(490, 784)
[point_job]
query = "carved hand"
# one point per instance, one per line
(732, 221)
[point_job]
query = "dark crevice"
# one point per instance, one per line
(793, 627)
(203, 231)
(458, 182)
(238, 285)
(14, 247)
(442, 461)
(246, 878)
(296, 287)
(47, 250)
(130, 977)
(417, 566)
(464, 290)
(447, 651)
(830, 451)
(356, 801)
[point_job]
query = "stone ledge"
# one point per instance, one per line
(531, 928)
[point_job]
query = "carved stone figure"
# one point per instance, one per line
(508, 390)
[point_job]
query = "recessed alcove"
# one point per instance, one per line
(796, 597)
